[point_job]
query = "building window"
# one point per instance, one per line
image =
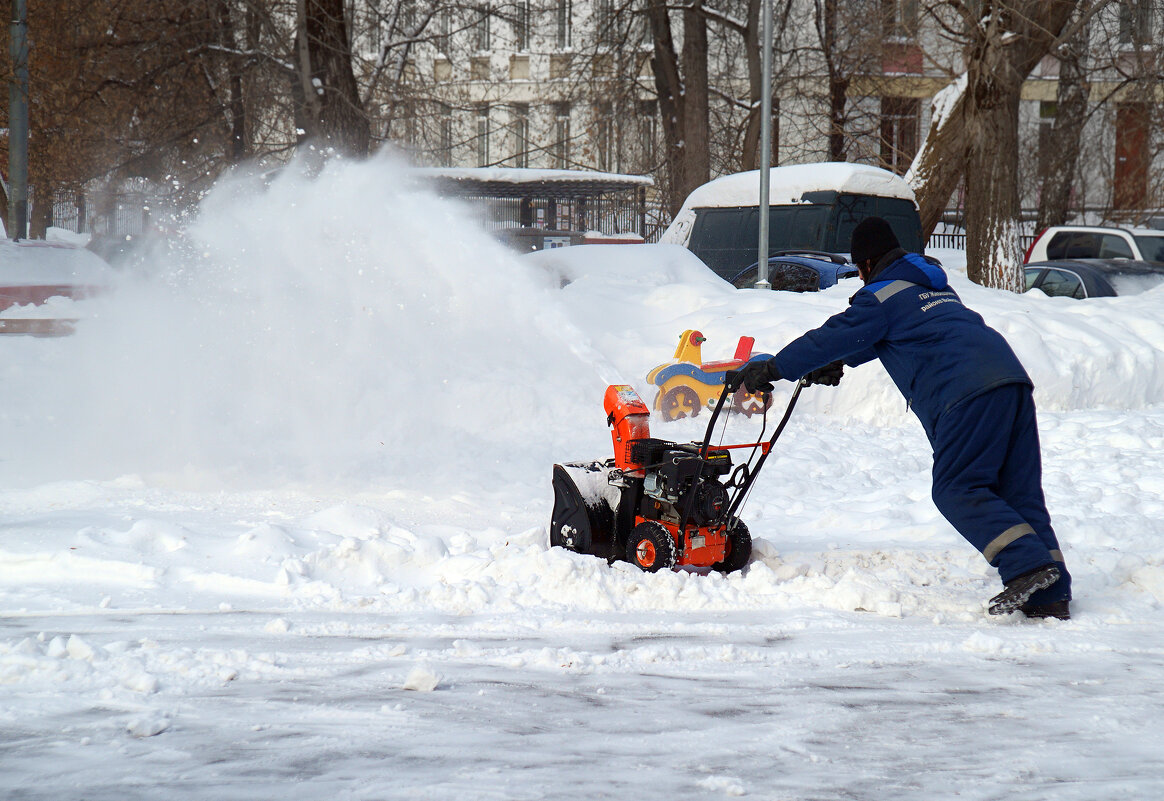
(375, 21)
(900, 118)
(483, 135)
(899, 19)
(604, 22)
(521, 135)
(445, 123)
(565, 13)
(604, 136)
(521, 25)
(561, 144)
(1135, 22)
(407, 13)
(1132, 155)
(483, 29)
(1048, 109)
(444, 31)
(648, 131)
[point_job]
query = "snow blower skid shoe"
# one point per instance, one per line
(657, 504)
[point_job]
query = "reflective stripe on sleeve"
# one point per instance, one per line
(1004, 539)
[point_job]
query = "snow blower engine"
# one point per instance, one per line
(658, 504)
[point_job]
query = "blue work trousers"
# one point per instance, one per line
(988, 482)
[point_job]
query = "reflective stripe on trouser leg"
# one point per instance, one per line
(1004, 539)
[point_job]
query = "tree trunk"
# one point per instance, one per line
(750, 147)
(696, 108)
(1066, 135)
(334, 114)
(838, 80)
(237, 143)
(681, 86)
(993, 253)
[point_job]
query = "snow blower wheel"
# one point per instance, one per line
(651, 547)
(739, 549)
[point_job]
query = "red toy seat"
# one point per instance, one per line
(743, 353)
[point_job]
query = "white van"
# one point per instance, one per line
(812, 207)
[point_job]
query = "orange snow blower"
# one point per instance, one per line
(659, 504)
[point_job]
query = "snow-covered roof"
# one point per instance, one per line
(788, 184)
(514, 181)
(517, 175)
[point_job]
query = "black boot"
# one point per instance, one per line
(1020, 588)
(1056, 609)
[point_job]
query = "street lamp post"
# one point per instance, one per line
(765, 141)
(18, 123)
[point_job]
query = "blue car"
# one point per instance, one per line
(798, 271)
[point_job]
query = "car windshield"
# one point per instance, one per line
(1151, 246)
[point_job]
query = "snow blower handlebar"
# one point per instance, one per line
(741, 490)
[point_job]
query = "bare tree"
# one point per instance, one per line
(976, 137)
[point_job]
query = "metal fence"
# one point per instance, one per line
(957, 241)
(114, 214)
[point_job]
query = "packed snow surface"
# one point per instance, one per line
(275, 525)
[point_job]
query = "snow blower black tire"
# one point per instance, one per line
(651, 547)
(739, 549)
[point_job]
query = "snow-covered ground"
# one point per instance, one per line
(274, 525)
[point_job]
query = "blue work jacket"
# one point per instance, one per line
(938, 352)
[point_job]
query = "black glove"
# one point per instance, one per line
(755, 376)
(829, 375)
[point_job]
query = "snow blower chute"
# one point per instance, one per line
(658, 504)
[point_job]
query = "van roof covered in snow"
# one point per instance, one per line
(790, 185)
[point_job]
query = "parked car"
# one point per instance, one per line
(1092, 278)
(798, 271)
(811, 206)
(39, 281)
(1097, 242)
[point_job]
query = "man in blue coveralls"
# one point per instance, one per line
(973, 398)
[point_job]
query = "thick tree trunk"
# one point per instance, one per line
(838, 83)
(1066, 135)
(696, 106)
(681, 86)
(237, 144)
(334, 114)
(750, 147)
(993, 253)
(990, 118)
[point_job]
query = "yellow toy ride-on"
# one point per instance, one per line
(687, 383)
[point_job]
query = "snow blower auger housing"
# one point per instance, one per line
(657, 504)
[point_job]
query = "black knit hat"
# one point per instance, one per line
(872, 239)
